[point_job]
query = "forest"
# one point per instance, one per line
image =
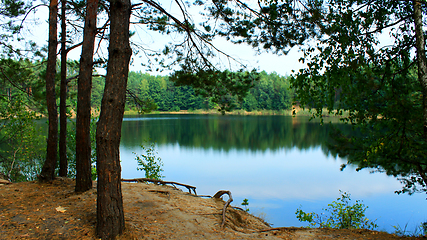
(270, 92)
(378, 87)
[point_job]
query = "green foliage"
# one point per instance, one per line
(14, 44)
(270, 92)
(349, 69)
(245, 203)
(237, 132)
(94, 173)
(419, 231)
(12, 8)
(23, 78)
(150, 163)
(268, 25)
(97, 92)
(22, 143)
(423, 227)
(340, 214)
(220, 86)
(377, 86)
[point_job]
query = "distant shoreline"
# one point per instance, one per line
(299, 112)
(216, 112)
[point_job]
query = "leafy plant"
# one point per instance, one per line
(340, 214)
(245, 203)
(420, 230)
(424, 228)
(151, 164)
(94, 173)
(21, 142)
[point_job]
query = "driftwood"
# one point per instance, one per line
(271, 229)
(230, 199)
(189, 187)
(3, 181)
(289, 229)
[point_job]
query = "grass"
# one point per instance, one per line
(418, 231)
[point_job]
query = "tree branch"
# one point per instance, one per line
(189, 187)
(230, 199)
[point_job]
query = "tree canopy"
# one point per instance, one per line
(179, 92)
(378, 87)
(365, 59)
(377, 84)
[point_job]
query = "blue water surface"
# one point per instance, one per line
(276, 181)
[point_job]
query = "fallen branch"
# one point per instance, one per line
(271, 229)
(189, 187)
(230, 199)
(289, 229)
(3, 181)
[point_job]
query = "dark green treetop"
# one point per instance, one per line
(360, 61)
(221, 86)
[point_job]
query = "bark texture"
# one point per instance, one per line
(48, 169)
(422, 70)
(83, 144)
(110, 216)
(421, 56)
(63, 162)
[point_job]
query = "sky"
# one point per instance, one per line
(283, 65)
(268, 62)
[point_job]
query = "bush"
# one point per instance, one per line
(340, 214)
(151, 164)
(419, 231)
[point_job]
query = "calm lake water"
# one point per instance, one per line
(279, 163)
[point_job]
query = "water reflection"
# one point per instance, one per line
(252, 133)
(278, 163)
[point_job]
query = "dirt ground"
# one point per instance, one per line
(32, 210)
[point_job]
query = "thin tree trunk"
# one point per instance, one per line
(48, 169)
(63, 162)
(83, 148)
(110, 216)
(422, 69)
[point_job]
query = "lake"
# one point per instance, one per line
(279, 163)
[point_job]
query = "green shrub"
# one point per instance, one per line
(419, 231)
(151, 164)
(340, 214)
(245, 203)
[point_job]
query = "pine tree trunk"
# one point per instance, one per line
(110, 216)
(63, 162)
(48, 169)
(83, 148)
(422, 70)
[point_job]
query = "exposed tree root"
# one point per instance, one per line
(230, 199)
(3, 181)
(189, 187)
(278, 229)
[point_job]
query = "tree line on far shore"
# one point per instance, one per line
(270, 92)
(380, 85)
